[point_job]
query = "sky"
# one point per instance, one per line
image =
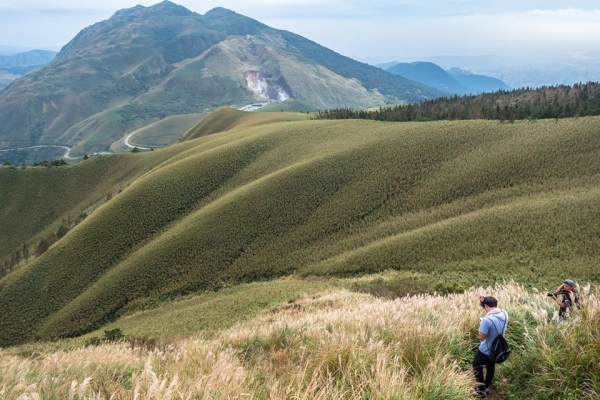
(369, 31)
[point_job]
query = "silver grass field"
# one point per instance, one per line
(337, 344)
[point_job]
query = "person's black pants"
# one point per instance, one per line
(480, 361)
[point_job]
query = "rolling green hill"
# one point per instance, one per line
(147, 63)
(244, 200)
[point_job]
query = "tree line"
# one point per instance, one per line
(560, 101)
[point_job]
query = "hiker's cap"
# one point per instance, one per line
(570, 283)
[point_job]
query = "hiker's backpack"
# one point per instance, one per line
(499, 350)
(577, 301)
(572, 295)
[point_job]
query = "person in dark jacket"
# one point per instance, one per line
(569, 297)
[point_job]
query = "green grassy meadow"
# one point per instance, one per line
(252, 197)
(159, 134)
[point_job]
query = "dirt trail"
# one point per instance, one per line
(492, 395)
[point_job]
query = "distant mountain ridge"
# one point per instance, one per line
(146, 63)
(429, 74)
(477, 83)
(29, 58)
(453, 81)
(13, 65)
(6, 77)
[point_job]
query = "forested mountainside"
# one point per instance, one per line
(547, 102)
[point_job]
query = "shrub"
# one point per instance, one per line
(113, 335)
(444, 288)
(62, 231)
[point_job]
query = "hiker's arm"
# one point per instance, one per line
(483, 329)
(568, 300)
(560, 303)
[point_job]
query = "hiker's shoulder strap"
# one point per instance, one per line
(504, 321)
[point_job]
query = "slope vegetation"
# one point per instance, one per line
(461, 201)
(543, 103)
(35, 202)
(228, 118)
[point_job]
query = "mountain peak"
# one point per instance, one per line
(147, 63)
(166, 8)
(220, 18)
(221, 12)
(170, 8)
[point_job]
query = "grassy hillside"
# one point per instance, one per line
(453, 203)
(36, 201)
(159, 134)
(331, 345)
(228, 118)
(289, 105)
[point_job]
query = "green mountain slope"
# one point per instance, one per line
(35, 202)
(463, 201)
(253, 62)
(146, 63)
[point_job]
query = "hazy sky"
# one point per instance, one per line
(376, 30)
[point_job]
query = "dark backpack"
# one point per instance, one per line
(499, 350)
(571, 296)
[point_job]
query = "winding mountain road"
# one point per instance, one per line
(66, 155)
(127, 144)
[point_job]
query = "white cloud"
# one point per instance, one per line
(525, 33)
(352, 27)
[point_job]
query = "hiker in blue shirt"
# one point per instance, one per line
(493, 324)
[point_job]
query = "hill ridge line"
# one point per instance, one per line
(545, 198)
